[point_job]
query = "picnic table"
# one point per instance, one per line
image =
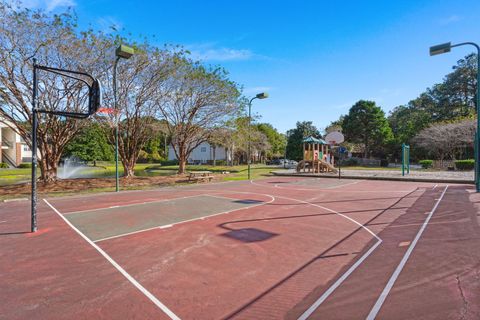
(200, 176)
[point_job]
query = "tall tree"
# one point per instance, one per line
(53, 40)
(366, 123)
(275, 139)
(195, 100)
(295, 136)
(90, 144)
(139, 83)
(447, 139)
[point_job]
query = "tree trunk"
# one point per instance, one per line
(181, 166)
(129, 169)
(214, 155)
(48, 168)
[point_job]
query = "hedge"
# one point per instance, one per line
(24, 165)
(468, 164)
(3, 165)
(426, 163)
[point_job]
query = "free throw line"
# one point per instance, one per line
(132, 280)
(381, 299)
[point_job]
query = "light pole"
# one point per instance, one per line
(444, 48)
(124, 52)
(262, 95)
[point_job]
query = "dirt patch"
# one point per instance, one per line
(84, 185)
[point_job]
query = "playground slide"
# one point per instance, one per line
(329, 166)
(324, 163)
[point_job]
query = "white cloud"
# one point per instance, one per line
(209, 52)
(48, 5)
(108, 24)
(255, 90)
(53, 4)
(451, 19)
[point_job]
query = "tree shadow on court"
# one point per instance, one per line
(323, 255)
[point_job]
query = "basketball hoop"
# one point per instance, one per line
(106, 111)
(334, 138)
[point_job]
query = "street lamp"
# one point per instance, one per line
(122, 52)
(262, 95)
(444, 48)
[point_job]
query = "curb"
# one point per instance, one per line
(456, 181)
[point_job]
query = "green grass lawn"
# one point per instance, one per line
(235, 172)
(107, 170)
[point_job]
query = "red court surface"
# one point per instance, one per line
(277, 248)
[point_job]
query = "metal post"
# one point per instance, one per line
(477, 152)
(249, 143)
(408, 159)
(116, 121)
(33, 225)
(403, 159)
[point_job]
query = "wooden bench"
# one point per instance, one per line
(199, 176)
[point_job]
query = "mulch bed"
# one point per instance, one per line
(79, 185)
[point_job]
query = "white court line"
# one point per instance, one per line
(184, 221)
(381, 299)
(337, 283)
(132, 280)
(343, 185)
(330, 189)
(131, 204)
(347, 273)
(3, 221)
(434, 186)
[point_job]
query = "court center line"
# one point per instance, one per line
(184, 221)
(381, 299)
(132, 280)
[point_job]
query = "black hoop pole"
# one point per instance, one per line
(34, 149)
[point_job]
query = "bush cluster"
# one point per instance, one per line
(426, 164)
(350, 162)
(3, 165)
(468, 164)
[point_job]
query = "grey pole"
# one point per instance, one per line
(116, 121)
(33, 225)
(249, 137)
(477, 134)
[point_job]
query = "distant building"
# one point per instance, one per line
(202, 154)
(13, 149)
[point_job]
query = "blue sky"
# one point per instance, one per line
(315, 58)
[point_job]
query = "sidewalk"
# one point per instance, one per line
(415, 175)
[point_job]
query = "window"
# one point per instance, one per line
(203, 149)
(26, 148)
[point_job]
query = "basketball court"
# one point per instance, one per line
(282, 247)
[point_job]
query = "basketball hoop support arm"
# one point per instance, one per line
(35, 112)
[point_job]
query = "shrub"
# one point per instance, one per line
(350, 162)
(24, 165)
(426, 163)
(3, 165)
(169, 162)
(468, 164)
(383, 163)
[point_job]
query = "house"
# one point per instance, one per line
(13, 149)
(203, 153)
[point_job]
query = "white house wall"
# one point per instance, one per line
(201, 154)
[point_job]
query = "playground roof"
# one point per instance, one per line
(314, 140)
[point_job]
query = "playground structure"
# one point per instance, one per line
(316, 157)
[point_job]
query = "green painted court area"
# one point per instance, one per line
(105, 223)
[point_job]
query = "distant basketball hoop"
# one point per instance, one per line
(102, 111)
(334, 138)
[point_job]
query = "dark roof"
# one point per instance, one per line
(314, 140)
